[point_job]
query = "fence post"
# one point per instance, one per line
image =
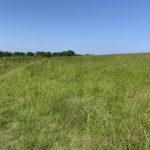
(5, 62)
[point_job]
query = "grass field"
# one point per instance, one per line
(77, 103)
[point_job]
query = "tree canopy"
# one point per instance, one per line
(38, 54)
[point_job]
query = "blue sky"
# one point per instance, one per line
(86, 26)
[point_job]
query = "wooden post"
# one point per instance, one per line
(5, 62)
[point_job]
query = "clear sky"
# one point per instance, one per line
(86, 26)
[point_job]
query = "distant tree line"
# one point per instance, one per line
(37, 54)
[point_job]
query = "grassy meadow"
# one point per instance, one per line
(76, 103)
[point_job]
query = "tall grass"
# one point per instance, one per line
(89, 102)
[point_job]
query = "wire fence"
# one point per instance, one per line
(7, 63)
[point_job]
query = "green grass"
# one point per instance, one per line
(87, 103)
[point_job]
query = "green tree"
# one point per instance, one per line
(30, 54)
